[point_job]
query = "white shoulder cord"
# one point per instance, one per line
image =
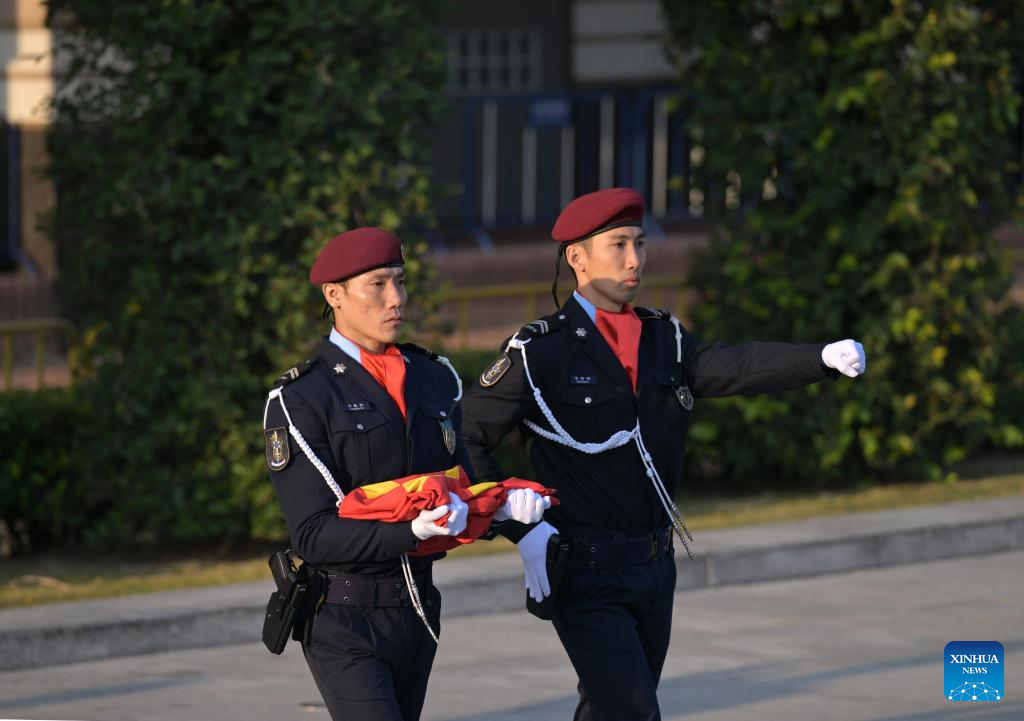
(679, 340)
(560, 435)
(414, 595)
(620, 438)
(458, 381)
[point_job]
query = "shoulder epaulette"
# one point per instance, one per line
(652, 313)
(431, 355)
(419, 350)
(294, 372)
(539, 327)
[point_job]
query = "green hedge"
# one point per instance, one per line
(857, 156)
(43, 494)
(1008, 381)
(203, 154)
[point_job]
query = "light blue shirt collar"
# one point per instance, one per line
(346, 345)
(587, 306)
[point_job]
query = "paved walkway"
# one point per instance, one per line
(226, 615)
(866, 645)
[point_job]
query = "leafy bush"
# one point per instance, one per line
(42, 466)
(864, 154)
(203, 154)
(1008, 430)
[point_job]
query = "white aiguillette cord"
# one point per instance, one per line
(414, 594)
(558, 434)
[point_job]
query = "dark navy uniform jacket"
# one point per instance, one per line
(356, 429)
(587, 389)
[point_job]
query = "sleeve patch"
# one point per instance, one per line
(278, 449)
(493, 374)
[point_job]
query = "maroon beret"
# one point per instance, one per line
(355, 252)
(595, 213)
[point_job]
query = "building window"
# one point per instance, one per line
(493, 61)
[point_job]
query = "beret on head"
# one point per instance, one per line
(597, 212)
(355, 252)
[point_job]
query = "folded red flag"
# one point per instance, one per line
(403, 499)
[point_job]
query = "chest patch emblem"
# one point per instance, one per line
(583, 380)
(685, 397)
(493, 374)
(278, 450)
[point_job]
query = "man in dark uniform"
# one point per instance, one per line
(603, 394)
(366, 409)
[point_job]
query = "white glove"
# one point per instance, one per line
(423, 526)
(459, 515)
(524, 505)
(533, 549)
(846, 356)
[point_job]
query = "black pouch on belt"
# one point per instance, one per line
(290, 596)
(559, 565)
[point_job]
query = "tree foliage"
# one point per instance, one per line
(203, 153)
(866, 151)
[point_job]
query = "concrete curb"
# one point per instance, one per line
(91, 630)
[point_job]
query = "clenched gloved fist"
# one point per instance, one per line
(846, 356)
(424, 526)
(523, 505)
(533, 549)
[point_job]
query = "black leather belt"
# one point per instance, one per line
(600, 552)
(368, 592)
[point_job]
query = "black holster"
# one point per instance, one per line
(560, 566)
(286, 607)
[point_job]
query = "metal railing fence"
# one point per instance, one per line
(524, 156)
(655, 292)
(40, 329)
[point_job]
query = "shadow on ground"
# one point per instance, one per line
(720, 691)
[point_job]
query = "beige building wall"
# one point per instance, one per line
(26, 84)
(618, 41)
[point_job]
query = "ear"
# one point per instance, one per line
(332, 294)
(576, 256)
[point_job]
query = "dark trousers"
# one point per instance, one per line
(615, 626)
(373, 664)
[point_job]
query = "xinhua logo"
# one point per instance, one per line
(974, 671)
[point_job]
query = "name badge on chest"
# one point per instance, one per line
(358, 406)
(448, 431)
(577, 380)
